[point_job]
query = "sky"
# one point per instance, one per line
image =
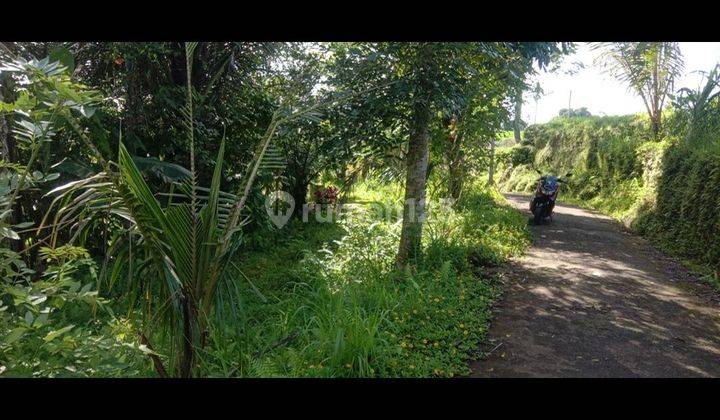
(599, 92)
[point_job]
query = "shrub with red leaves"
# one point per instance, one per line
(327, 195)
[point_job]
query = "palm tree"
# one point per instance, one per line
(699, 102)
(650, 68)
(176, 253)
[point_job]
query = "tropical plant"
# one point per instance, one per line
(700, 103)
(177, 254)
(649, 68)
(46, 99)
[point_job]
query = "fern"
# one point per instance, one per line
(263, 368)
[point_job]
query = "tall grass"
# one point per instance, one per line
(334, 306)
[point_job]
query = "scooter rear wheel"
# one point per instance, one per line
(537, 217)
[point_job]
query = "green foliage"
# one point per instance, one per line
(51, 327)
(177, 255)
(465, 86)
(93, 234)
(573, 113)
(185, 246)
(514, 156)
(649, 68)
(47, 100)
(145, 82)
(700, 110)
(334, 306)
(48, 325)
(685, 218)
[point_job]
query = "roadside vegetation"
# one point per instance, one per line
(270, 209)
(326, 300)
(143, 231)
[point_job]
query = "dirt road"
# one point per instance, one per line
(591, 300)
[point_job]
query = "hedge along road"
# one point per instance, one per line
(592, 300)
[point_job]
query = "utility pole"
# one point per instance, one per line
(569, 101)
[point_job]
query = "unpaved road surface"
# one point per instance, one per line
(591, 300)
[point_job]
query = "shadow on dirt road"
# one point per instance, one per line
(591, 300)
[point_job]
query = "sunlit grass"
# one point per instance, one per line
(334, 289)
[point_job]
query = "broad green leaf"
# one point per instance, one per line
(24, 102)
(29, 318)
(24, 225)
(55, 334)
(87, 111)
(37, 299)
(8, 233)
(86, 288)
(64, 57)
(15, 334)
(6, 107)
(168, 171)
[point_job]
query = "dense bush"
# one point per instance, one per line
(686, 215)
(603, 145)
(58, 325)
(515, 156)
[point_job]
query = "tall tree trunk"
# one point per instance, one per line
(5, 126)
(299, 192)
(417, 161)
(656, 99)
(655, 124)
(518, 114)
(455, 160)
(415, 183)
(491, 168)
(456, 179)
(9, 153)
(186, 359)
(133, 103)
